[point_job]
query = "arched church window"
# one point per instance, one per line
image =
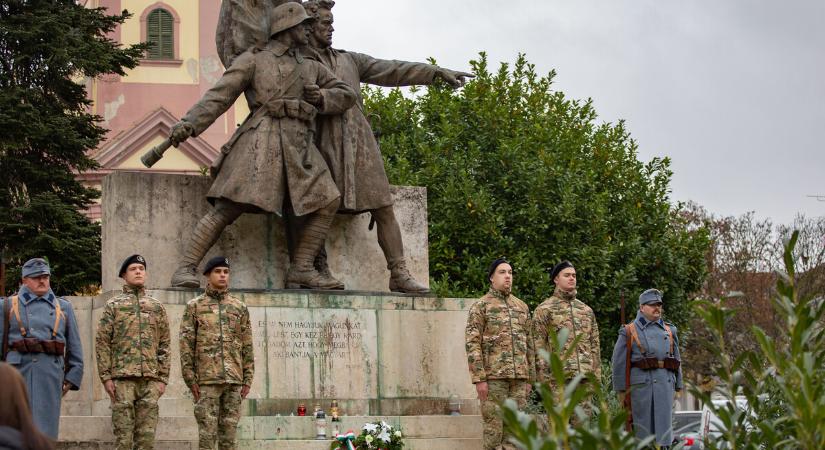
(160, 34)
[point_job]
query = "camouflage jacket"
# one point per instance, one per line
(564, 310)
(216, 340)
(132, 338)
(498, 339)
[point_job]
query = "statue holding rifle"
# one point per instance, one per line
(271, 161)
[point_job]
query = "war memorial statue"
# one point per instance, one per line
(271, 162)
(349, 146)
(285, 160)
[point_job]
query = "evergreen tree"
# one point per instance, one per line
(47, 49)
(514, 168)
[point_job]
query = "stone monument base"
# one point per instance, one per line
(380, 355)
(154, 214)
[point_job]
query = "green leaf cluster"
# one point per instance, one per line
(770, 398)
(774, 396)
(515, 168)
(48, 50)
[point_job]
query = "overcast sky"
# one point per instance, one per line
(733, 91)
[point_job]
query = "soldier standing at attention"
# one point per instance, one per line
(646, 360)
(133, 357)
(564, 310)
(43, 343)
(216, 357)
(499, 350)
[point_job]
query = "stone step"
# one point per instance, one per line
(84, 429)
(410, 444)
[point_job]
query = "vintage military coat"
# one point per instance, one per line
(651, 391)
(347, 142)
(44, 374)
(274, 155)
(216, 341)
(564, 310)
(132, 338)
(497, 339)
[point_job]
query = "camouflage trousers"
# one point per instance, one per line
(497, 392)
(135, 413)
(217, 412)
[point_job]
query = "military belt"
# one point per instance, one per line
(32, 345)
(671, 364)
(290, 107)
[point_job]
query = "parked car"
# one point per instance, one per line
(687, 430)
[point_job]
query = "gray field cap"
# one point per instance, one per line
(36, 267)
(650, 296)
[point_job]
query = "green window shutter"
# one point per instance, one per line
(160, 33)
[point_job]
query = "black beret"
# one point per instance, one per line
(134, 259)
(559, 267)
(495, 264)
(218, 261)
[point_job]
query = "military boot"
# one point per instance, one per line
(402, 281)
(302, 273)
(323, 269)
(205, 234)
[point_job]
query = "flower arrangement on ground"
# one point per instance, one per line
(374, 436)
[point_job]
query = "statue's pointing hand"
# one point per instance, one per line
(454, 78)
(181, 132)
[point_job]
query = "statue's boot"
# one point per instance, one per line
(389, 239)
(322, 267)
(206, 233)
(402, 281)
(302, 273)
(294, 226)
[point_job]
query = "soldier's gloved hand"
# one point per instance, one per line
(312, 94)
(181, 132)
(482, 390)
(454, 78)
(109, 386)
(196, 392)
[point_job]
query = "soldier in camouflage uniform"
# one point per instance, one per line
(216, 357)
(564, 310)
(132, 347)
(499, 350)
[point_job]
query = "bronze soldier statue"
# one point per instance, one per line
(349, 147)
(271, 160)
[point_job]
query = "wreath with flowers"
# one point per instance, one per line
(374, 436)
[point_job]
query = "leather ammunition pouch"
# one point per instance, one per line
(671, 364)
(31, 345)
(290, 107)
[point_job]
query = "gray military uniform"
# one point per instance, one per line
(651, 391)
(43, 373)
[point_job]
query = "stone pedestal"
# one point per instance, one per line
(153, 214)
(378, 354)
